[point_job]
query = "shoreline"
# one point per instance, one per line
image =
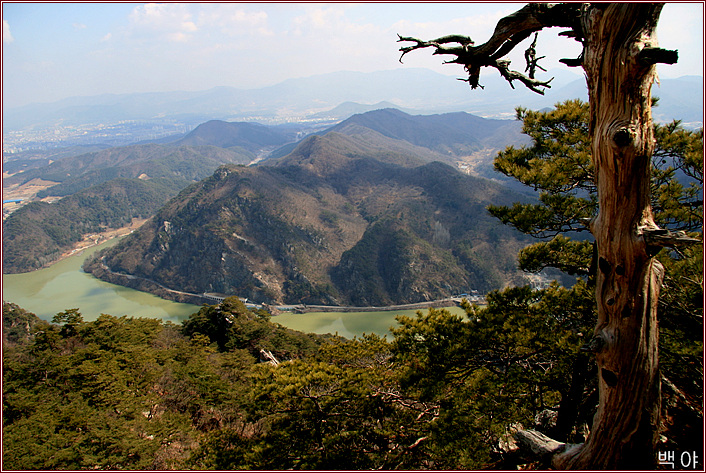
(99, 270)
(95, 239)
(305, 308)
(90, 241)
(163, 292)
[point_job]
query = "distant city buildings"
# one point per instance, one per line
(117, 134)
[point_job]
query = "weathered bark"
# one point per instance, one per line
(619, 52)
(625, 429)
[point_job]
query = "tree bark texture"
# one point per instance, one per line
(619, 53)
(619, 76)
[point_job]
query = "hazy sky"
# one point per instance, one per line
(52, 51)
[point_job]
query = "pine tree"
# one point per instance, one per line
(558, 165)
(619, 55)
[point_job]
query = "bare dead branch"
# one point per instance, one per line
(531, 58)
(509, 33)
(417, 442)
(464, 41)
(658, 55)
(666, 238)
(538, 443)
(503, 66)
(431, 410)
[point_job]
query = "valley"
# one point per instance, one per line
(359, 201)
(358, 205)
(16, 195)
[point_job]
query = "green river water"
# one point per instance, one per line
(65, 286)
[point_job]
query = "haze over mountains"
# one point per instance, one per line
(414, 90)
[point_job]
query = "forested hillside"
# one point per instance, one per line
(123, 393)
(341, 220)
(38, 233)
(101, 190)
(230, 389)
(74, 173)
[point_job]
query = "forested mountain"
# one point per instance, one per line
(101, 190)
(455, 134)
(38, 233)
(340, 220)
(252, 137)
(126, 393)
(453, 138)
(188, 163)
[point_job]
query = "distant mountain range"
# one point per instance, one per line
(338, 95)
(454, 134)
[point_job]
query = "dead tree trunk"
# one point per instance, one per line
(619, 77)
(619, 53)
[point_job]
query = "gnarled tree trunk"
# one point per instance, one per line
(619, 75)
(619, 53)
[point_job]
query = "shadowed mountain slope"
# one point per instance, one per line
(338, 221)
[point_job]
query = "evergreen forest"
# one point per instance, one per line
(230, 388)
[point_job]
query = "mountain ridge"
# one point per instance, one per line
(336, 221)
(252, 137)
(456, 133)
(407, 88)
(383, 135)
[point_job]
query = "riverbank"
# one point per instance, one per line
(95, 239)
(100, 270)
(48, 291)
(303, 309)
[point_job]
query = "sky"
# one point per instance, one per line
(52, 51)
